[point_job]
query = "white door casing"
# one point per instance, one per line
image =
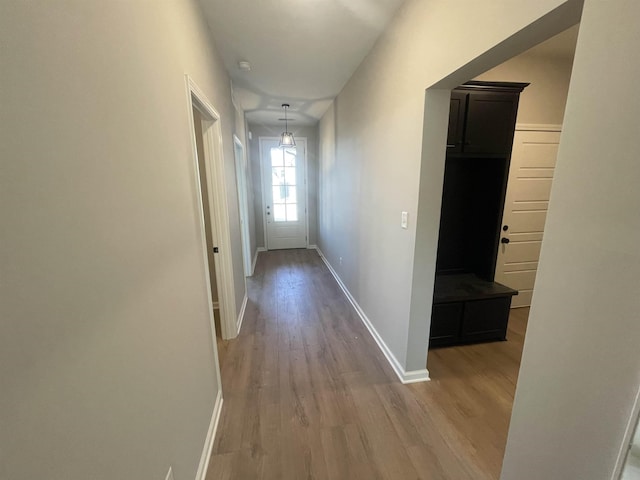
(243, 205)
(533, 162)
(214, 176)
(284, 194)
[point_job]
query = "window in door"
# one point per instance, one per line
(284, 184)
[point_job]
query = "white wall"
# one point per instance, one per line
(543, 101)
(241, 133)
(107, 366)
(581, 368)
(311, 134)
(381, 166)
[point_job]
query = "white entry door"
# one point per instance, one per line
(525, 210)
(284, 189)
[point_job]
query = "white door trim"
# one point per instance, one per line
(306, 187)
(214, 162)
(626, 440)
(243, 202)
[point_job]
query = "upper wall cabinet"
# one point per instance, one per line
(482, 118)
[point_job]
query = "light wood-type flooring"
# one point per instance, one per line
(309, 395)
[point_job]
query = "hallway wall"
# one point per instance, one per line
(107, 365)
(372, 158)
(580, 369)
(544, 100)
(241, 132)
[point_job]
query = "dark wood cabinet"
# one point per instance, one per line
(468, 305)
(482, 118)
(468, 309)
(457, 112)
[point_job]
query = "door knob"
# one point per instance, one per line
(504, 240)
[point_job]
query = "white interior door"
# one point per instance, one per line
(284, 190)
(532, 165)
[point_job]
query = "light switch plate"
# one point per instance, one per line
(404, 223)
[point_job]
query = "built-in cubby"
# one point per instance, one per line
(468, 306)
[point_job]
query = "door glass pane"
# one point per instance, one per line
(290, 175)
(284, 194)
(292, 213)
(292, 194)
(277, 157)
(279, 212)
(283, 185)
(290, 157)
(279, 195)
(277, 176)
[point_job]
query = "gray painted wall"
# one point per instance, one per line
(107, 365)
(241, 133)
(543, 101)
(581, 366)
(311, 134)
(375, 164)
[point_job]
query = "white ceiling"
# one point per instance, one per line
(301, 52)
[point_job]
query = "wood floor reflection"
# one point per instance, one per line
(309, 395)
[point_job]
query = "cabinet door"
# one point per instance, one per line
(491, 118)
(457, 110)
(486, 319)
(445, 324)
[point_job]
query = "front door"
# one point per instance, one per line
(525, 210)
(284, 187)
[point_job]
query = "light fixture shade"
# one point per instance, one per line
(287, 140)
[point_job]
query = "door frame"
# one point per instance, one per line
(520, 127)
(220, 228)
(306, 187)
(243, 202)
(630, 429)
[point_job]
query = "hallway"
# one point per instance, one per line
(308, 394)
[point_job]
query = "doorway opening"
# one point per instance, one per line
(212, 205)
(501, 152)
(242, 175)
(478, 373)
(284, 194)
(208, 220)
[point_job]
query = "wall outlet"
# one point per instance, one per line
(404, 220)
(169, 474)
(340, 261)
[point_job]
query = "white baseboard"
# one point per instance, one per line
(412, 376)
(313, 247)
(243, 308)
(255, 258)
(211, 436)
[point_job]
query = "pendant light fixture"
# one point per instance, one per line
(286, 139)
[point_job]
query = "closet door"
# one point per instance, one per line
(491, 118)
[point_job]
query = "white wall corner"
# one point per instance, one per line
(211, 436)
(412, 376)
(243, 308)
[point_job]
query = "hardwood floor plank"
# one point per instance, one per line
(309, 395)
